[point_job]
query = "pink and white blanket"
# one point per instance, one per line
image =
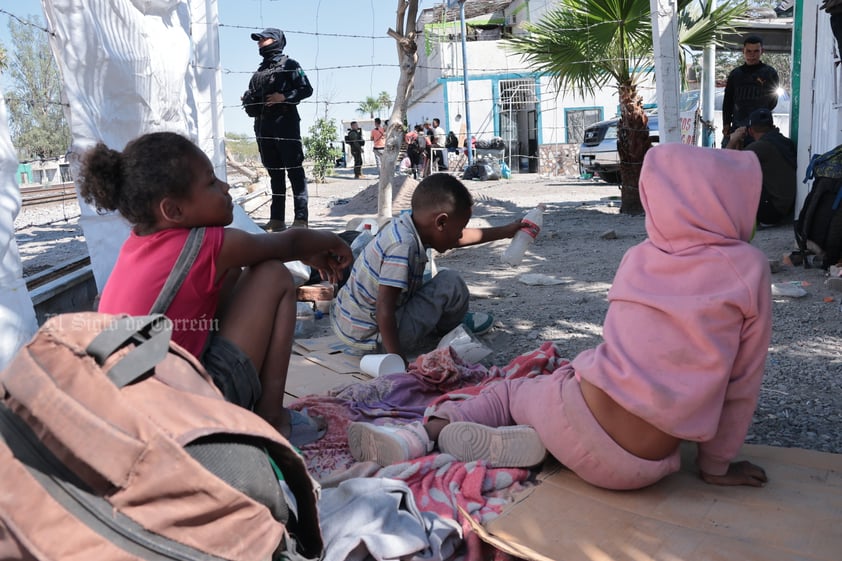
(438, 482)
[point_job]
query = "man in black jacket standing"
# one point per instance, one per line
(275, 90)
(355, 141)
(754, 85)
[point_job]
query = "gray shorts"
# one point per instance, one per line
(232, 371)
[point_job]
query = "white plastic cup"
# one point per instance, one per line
(380, 365)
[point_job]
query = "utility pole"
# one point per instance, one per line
(464, 33)
(708, 93)
(665, 40)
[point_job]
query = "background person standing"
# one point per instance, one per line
(275, 90)
(378, 140)
(751, 86)
(438, 142)
(355, 141)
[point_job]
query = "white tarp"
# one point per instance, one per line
(17, 317)
(129, 68)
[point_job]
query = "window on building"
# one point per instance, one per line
(577, 120)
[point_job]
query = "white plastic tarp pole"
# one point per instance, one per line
(131, 67)
(665, 39)
(206, 75)
(125, 67)
(17, 316)
(707, 95)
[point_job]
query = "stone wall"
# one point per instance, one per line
(559, 160)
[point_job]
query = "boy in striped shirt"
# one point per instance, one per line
(385, 306)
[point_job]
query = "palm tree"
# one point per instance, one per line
(385, 101)
(369, 106)
(587, 45)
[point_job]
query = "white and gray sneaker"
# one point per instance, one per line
(388, 444)
(511, 446)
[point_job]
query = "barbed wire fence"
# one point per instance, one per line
(554, 131)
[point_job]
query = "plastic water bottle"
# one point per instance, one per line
(305, 320)
(359, 243)
(525, 236)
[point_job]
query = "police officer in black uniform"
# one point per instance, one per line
(275, 90)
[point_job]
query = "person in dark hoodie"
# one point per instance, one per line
(274, 92)
(777, 155)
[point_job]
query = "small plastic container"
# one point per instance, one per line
(305, 320)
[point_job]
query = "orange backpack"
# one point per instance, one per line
(115, 444)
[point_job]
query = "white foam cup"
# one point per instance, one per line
(379, 365)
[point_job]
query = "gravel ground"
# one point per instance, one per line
(801, 399)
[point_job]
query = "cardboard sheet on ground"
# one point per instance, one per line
(337, 361)
(306, 377)
(330, 343)
(796, 516)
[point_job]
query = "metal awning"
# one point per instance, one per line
(775, 32)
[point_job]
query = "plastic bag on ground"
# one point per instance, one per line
(465, 345)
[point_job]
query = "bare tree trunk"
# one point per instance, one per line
(250, 174)
(632, 143)
(404, 36)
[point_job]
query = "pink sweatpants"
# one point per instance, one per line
(554, 406)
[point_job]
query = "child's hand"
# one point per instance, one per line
(739, 473)
(512, 229)
(332, 262)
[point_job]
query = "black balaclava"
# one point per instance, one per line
(273, 49)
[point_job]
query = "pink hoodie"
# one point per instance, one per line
(689, 319)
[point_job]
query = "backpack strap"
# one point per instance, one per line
(179, 271)
(151, 334)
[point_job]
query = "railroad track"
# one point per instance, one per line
(56, 272)
(48, 194)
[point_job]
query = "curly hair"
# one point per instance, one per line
(134, 181)
(442, 192)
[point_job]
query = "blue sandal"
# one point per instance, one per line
(304, 429)
(478, 322)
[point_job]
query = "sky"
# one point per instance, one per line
(342, 45)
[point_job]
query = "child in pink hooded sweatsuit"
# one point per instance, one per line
(684, 347)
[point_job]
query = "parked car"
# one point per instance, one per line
(598, 153)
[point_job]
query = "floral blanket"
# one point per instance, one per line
(438, 482)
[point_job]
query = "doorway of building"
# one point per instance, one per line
(519, 124)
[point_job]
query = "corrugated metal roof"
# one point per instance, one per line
(473, 8)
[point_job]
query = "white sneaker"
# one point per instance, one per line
(513, 446)
(388, 444)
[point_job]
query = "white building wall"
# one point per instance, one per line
(444, 63)
(428, 105)
(820, 115)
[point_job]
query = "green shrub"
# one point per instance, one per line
(319, 147)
